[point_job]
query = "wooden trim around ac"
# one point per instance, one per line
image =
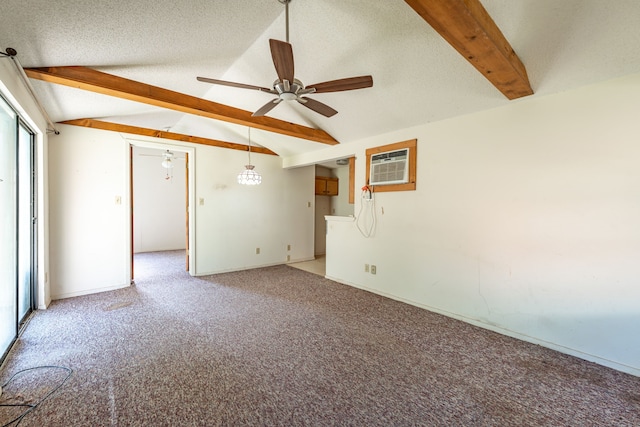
(412, 145)
(352, 179)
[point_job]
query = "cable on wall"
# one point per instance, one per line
(361, 220)
(13, 54)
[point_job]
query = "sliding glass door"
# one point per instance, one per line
(17, 224)
(26, 221)
(8, 224)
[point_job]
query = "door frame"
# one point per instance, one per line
(189, 202)
(33, 218)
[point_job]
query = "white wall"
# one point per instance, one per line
(89, 225)
(159, 196)
(90, 230)
(525, 220)
(15, 91)
(322, 208)
(233, 220)
(340, 205)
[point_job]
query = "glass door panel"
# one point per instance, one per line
(8, 209)
(26, 222)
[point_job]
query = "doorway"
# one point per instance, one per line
(160, 197)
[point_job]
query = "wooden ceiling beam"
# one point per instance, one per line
(108, 84)
(467, 26)
(115, 127)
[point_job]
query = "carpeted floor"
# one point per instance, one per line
(279, 346)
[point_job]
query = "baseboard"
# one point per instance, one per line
(45, 305)
(233, 270)
(293, 261)
(503, 331)
(87, 292)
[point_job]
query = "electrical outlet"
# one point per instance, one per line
(288, 258)
(373, 269)
(118, 200)
(201, 201)
(366, 268)
(288, 247)
(257, 251)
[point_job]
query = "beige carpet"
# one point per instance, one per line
(282, 347)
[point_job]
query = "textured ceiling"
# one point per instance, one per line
(418, 77)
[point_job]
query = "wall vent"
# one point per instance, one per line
(391, 167)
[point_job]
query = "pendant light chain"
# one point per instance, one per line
(249, 144)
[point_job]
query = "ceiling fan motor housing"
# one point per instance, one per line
(288, 91)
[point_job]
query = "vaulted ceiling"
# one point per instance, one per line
(430, 60)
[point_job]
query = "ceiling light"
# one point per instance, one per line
(167, 163)
(249, 176)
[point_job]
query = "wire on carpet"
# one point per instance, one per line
(31, 407)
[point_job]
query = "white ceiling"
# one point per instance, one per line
(418, 77)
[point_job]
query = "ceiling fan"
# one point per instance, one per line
(287, 87)
(167, 158)
(167, 161)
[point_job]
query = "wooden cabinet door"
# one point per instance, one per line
(332, 187)
(326, 186)
(321, 186)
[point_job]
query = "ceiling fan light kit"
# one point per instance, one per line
(287, 87)
(167, 163)
(166, 160)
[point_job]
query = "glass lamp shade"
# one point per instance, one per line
(249, 176)
(166, 163)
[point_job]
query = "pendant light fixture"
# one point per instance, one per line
(249, 176)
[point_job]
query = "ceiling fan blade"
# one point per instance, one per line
(350, 83)
(317, 106)
(282, 55)
(233, 84)
(266, 108)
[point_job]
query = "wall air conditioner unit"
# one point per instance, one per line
(391, 167)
